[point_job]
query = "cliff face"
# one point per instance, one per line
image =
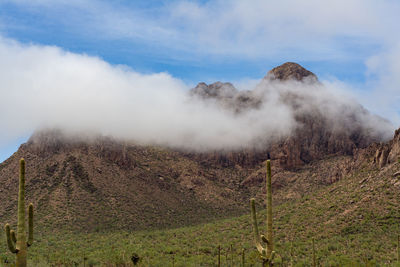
(388, 153)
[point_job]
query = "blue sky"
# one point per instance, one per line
(62, 24)
(354, 43)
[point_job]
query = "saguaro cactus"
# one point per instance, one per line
(18, 244)
(398, 249)
(219, 255)
(264, 244)
(243, 257)
(313, 254)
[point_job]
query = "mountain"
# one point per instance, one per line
(102, 183)
(325, 124)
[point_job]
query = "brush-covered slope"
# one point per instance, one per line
(347, 204)
(104, 184)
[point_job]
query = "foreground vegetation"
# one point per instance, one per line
(353, 222)
(373, 242)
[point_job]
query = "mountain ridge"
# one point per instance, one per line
(102, 183)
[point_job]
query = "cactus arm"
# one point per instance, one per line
(264, 239)
(272, 256)
(257, 240)
(10, 243)
(13, 236)
(254, 220)
(30, 225)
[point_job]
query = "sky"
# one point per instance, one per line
(52, 51)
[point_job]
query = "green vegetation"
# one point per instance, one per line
(354, 222)
(267, 253)
(371, 240)
(198, 246)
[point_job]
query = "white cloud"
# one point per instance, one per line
(257, 28)
(43, 85)
(384, 85)
(47, 87)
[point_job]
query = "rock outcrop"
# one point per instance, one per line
(390, 152)
(290, 71)
(227, 96)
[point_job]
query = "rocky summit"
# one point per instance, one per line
(318, 132)
(290, 71)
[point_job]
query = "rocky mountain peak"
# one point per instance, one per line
(290, 71)
(318, 133)
(215, 90)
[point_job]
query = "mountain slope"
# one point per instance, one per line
(108, 185)
(347, 204)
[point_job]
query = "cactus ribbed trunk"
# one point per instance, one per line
(242, 257)
(219, 256)
(291, 253)
(21, 231)
(313, 254)
(270, 244)
(398, 249)
(231, 255)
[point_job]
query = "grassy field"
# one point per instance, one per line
(374, 241)
(355, 222)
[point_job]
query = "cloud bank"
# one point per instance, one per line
(47, 87)
(201, 33)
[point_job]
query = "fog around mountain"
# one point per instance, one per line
(46, 87)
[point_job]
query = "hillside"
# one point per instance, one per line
(105, 185)
(349, 205)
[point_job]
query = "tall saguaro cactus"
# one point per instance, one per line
(264, 244)
(314, 261)
(18, 244)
